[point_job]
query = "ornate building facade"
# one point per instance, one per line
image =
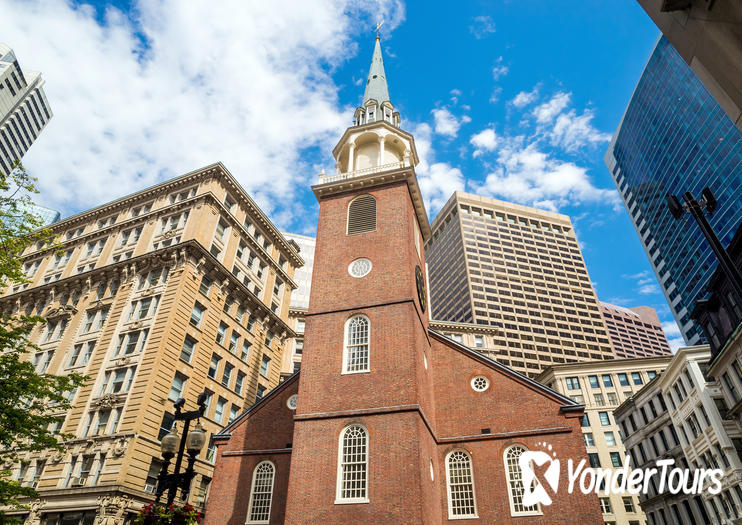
(180, 288)
(388, 420)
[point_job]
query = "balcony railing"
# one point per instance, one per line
(323, 179)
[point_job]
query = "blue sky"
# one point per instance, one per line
(515, 100)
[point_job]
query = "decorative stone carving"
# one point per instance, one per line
(135, 325)
(120, 447)
(111, 510)
(123, 361)
(34, 516)
(56, 457)
(61, 312)
(106, 401)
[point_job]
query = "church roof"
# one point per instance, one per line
(569, 404)
(376, 87)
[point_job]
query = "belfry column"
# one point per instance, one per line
(351, 155)
(381, 150)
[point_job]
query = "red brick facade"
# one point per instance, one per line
(416, 400)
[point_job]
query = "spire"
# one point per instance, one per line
(376, 87)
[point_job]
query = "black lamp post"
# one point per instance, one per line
(695, 208)
(193, 441)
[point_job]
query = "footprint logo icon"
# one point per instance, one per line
(533, 489)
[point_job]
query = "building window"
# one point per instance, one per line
(593, 459)
(205, 286)
(221, 333)
(585, 420)
(604, 419)
(265, 364)
(352, 486)
(607, 381)
(261, 493)
(628, 505)
(189, 345)
(573, 383)
(239, 382)
(221, 404)
(589, 441)
(356, 352)
(610, 439)
(460, 486)
(197, 315)
(214, 366)
(227, 375)
(636, 377)
(515, 483)
(176, 391)
(605, 506)
(615, 459)
(593, 381)
(362, 215)
(623, 379)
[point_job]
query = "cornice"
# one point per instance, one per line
(211, 170)
(464, 327)
(208, 199)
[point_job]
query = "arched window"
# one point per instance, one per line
(515, 483)
(352, 484)
(261, 493)
(362, 215)
(460, 486)
(357, 336)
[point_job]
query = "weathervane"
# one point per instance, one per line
(378, 27)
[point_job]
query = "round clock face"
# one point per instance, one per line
(420, 287)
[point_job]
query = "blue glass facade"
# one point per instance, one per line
(674, 138)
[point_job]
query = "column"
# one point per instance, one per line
(351, 156)
(381, 151)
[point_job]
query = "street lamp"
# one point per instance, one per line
(171, 444)
(695, 208)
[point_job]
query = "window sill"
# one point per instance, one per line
(465, 517)
(356, 372)
(351, 501)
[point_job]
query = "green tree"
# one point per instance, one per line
(29, 402)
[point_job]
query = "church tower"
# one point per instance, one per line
(365, 386)
(388, 421)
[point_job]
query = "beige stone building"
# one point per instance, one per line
(181, 288)
(520, 270)
(635, 331)
(602, 386)
(299, 302)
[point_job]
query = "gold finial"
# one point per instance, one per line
(378, 27)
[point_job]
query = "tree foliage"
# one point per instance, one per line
(30, 402)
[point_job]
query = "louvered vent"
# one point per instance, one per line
(362, 215)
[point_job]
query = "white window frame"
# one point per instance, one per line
(339, 500)
(252, 492)
(510, 481)
(451, 515)
(346, 346)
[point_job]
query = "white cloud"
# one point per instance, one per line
(673, 334)
(437, 180)
(241, 82)
(525, 98)
(446, 123)
(481, 26)
(527, 175)
(485, 140)
(571, 131)
(499, 69)
(546, 112)
(646, 283)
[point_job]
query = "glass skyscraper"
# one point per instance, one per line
(674, 138)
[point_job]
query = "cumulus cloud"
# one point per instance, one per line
(446, 123)
(673, 334)
(525, 98)
(437, 180)
(481, 26)
(572, 131)
(528, 175)
(499, 69)
(547, 111)
(185, 84)
(645, 282)
(485, 140)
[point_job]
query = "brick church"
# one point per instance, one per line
(388, 422)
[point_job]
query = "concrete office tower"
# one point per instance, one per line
(601, 386)
(707, 34)
(635, 332)
(24, 110)
(299, 301)
(173, 290)
(519, 269)
(675, 138)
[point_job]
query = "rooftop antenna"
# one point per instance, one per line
(378, 27)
